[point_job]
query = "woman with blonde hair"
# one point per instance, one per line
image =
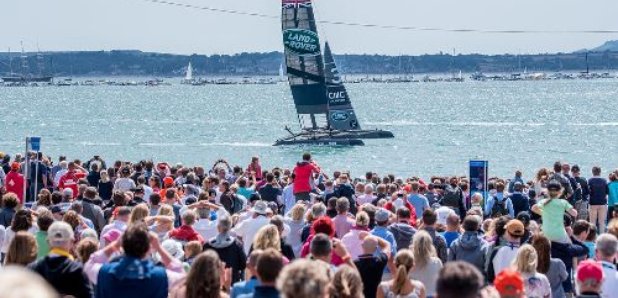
(347, 283)
(139, 214)
(163, 223)
(427, 265)
(205, 279)
(295, 220)
(267, 237)
(402, 286)
(536, 284)
(22, 250)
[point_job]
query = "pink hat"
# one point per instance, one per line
(112, 235)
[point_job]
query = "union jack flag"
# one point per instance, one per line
(295, 3)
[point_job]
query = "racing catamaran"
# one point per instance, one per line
(325, 112)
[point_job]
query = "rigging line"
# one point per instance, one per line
(380, 26)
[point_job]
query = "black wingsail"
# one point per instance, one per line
(341, 114)
(304, 64)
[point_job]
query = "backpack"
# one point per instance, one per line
(499, 208)
(451, 197)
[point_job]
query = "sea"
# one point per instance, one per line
(439, 127)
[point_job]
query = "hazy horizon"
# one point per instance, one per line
(72, 25)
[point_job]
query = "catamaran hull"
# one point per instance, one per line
(334, 137)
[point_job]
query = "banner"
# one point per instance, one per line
(478, 177)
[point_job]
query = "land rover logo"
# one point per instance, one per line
(301, 42)
(339, 116)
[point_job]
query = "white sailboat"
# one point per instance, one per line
(188, 75)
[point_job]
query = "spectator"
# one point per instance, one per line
(343, 222)
(346, 283)
(417, 200)
(10, 201)
(269, 265)
(296, 222)
(470, 247)
(14, 183)
(229, 249)
(304, 171)
(503, 254)
(510, 284)
(429, 225)
(352, 239)
(248, 228)
(552, 211)
(453, 229)
(59, 268)
(185, 232)
(458, 280)
(402, 230)
(85, 248)
(426, 263)
(606, 249)
(304, 279)
(401, 285)
(22, 250)
(535, 284)
(520, 200)
(372, 262)
(553, 268)
(248, 286)
(20, 282)
(589, 279)
(91, 211)
(134, 274)
(203, 280)
(381, 230)
(44, 220)
(598, 199)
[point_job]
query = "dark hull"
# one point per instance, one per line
(47, 79)
(333, 137)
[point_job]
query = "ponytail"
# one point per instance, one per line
(400, 278)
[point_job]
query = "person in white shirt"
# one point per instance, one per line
(125, 183)
(352, 240)
(248, 228)
(367, 196)
(606, 249)
(443, 213)
(204, 226)
(289, 200)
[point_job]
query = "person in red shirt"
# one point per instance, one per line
(185, 232)
(304, 171)
(397, 201)
(70, 179)
(14, 182)
(255, 168)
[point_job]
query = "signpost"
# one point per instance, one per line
(478, 177)
(33, 144)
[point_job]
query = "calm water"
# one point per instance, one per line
(438, 126)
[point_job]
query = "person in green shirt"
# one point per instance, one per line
(44, 220)
(552, 213)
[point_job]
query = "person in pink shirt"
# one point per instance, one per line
(255, 168)
(353, 240)
(343, 222)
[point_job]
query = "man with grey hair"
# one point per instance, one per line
(59, 268)
(64, 168)
(317, 210)
(606, 249)
(229, 248)
(342, 221)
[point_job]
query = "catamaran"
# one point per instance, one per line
(324, 109)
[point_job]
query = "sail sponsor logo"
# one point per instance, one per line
(339, 116)
(301, 42)
(337, 97)
(296, 3)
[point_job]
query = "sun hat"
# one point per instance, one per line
(260, 207)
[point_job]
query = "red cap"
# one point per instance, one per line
(407, 188)
(168, 181)
(161, 166)
(590, 269)
(15, 166)
(509, 282)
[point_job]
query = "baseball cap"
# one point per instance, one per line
(168, 181)
(15, 166)
(111, 235)
(554, 185)
(407, 188)
(515, 227)
(509, 282)
(260, 207)
(59, 233)
(588, 270)
(381, 215)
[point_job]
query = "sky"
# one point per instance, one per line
(137, 24)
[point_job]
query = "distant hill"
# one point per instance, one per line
(608, 46)
(138, 63)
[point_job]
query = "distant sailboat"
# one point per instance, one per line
(188, 75)
(324, 109)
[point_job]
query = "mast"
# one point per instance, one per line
(304, 63)
(189, 74)
(10, 62)
(24, 62)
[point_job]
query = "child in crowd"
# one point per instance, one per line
(192, 249)
(590, 241)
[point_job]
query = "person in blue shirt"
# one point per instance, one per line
(269, 265)
(505, 204)
(381, 229)
(417, 200)
(453, 229)
(247, 286)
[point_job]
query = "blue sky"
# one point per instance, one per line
(136, 24)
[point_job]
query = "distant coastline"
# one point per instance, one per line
(138, 63)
